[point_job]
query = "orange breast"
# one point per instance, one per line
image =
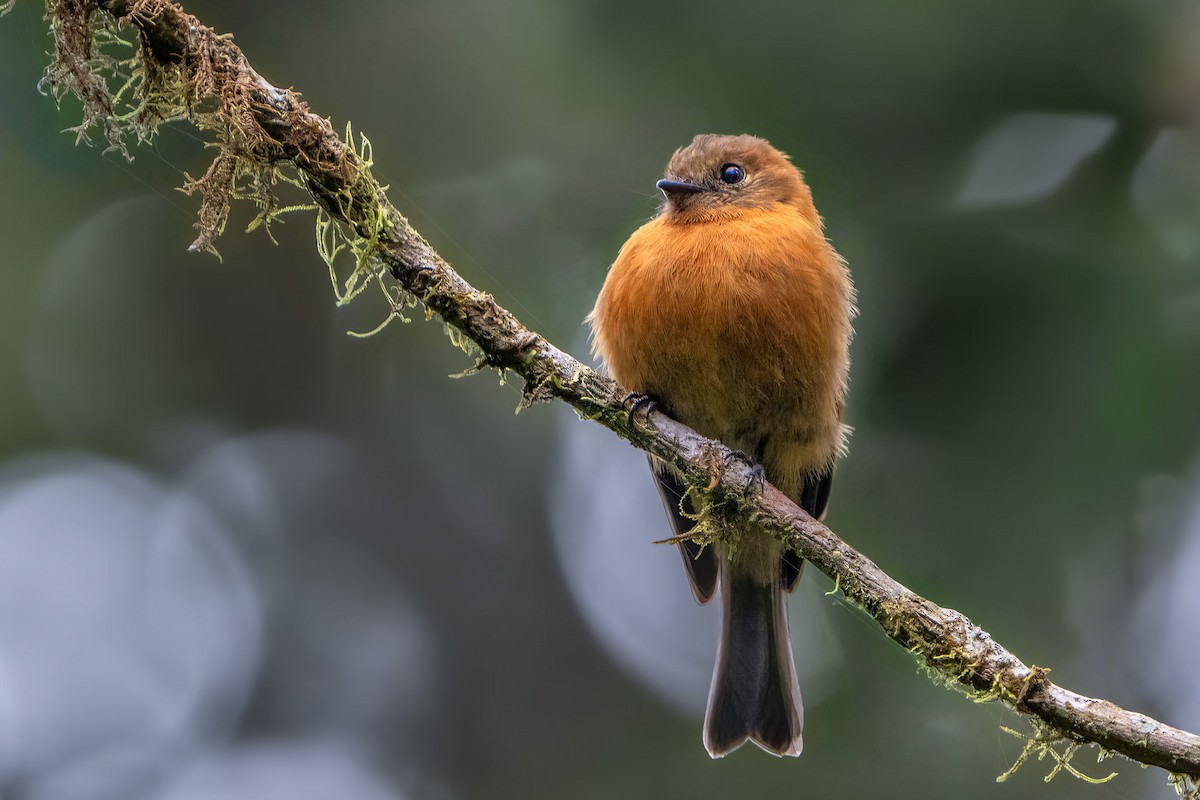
(740, 327)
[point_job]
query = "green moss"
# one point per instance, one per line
(1185, 786)
(211, 86)
(1043, 743)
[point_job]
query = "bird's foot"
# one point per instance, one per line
(636, 400)
(758, 473)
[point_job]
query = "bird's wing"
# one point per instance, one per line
(814, 498)
(701, 562)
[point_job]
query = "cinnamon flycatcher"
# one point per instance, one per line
(731, 311)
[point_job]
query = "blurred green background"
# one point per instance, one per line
(245, 555)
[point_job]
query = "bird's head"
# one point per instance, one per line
(718, 177)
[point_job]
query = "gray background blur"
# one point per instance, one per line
(243, 555)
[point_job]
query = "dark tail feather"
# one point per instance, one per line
(754, 694)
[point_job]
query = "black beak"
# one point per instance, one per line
(669, 187)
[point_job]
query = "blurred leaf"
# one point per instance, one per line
(1029, 156)
(1166, 190)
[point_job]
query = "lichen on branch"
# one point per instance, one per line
(169, 68)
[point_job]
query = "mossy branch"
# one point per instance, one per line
(183, 70)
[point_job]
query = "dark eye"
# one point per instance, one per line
(732, 173)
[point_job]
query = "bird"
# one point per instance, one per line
(731, 312)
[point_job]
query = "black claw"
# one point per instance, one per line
(758, 474)
(636, 400)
